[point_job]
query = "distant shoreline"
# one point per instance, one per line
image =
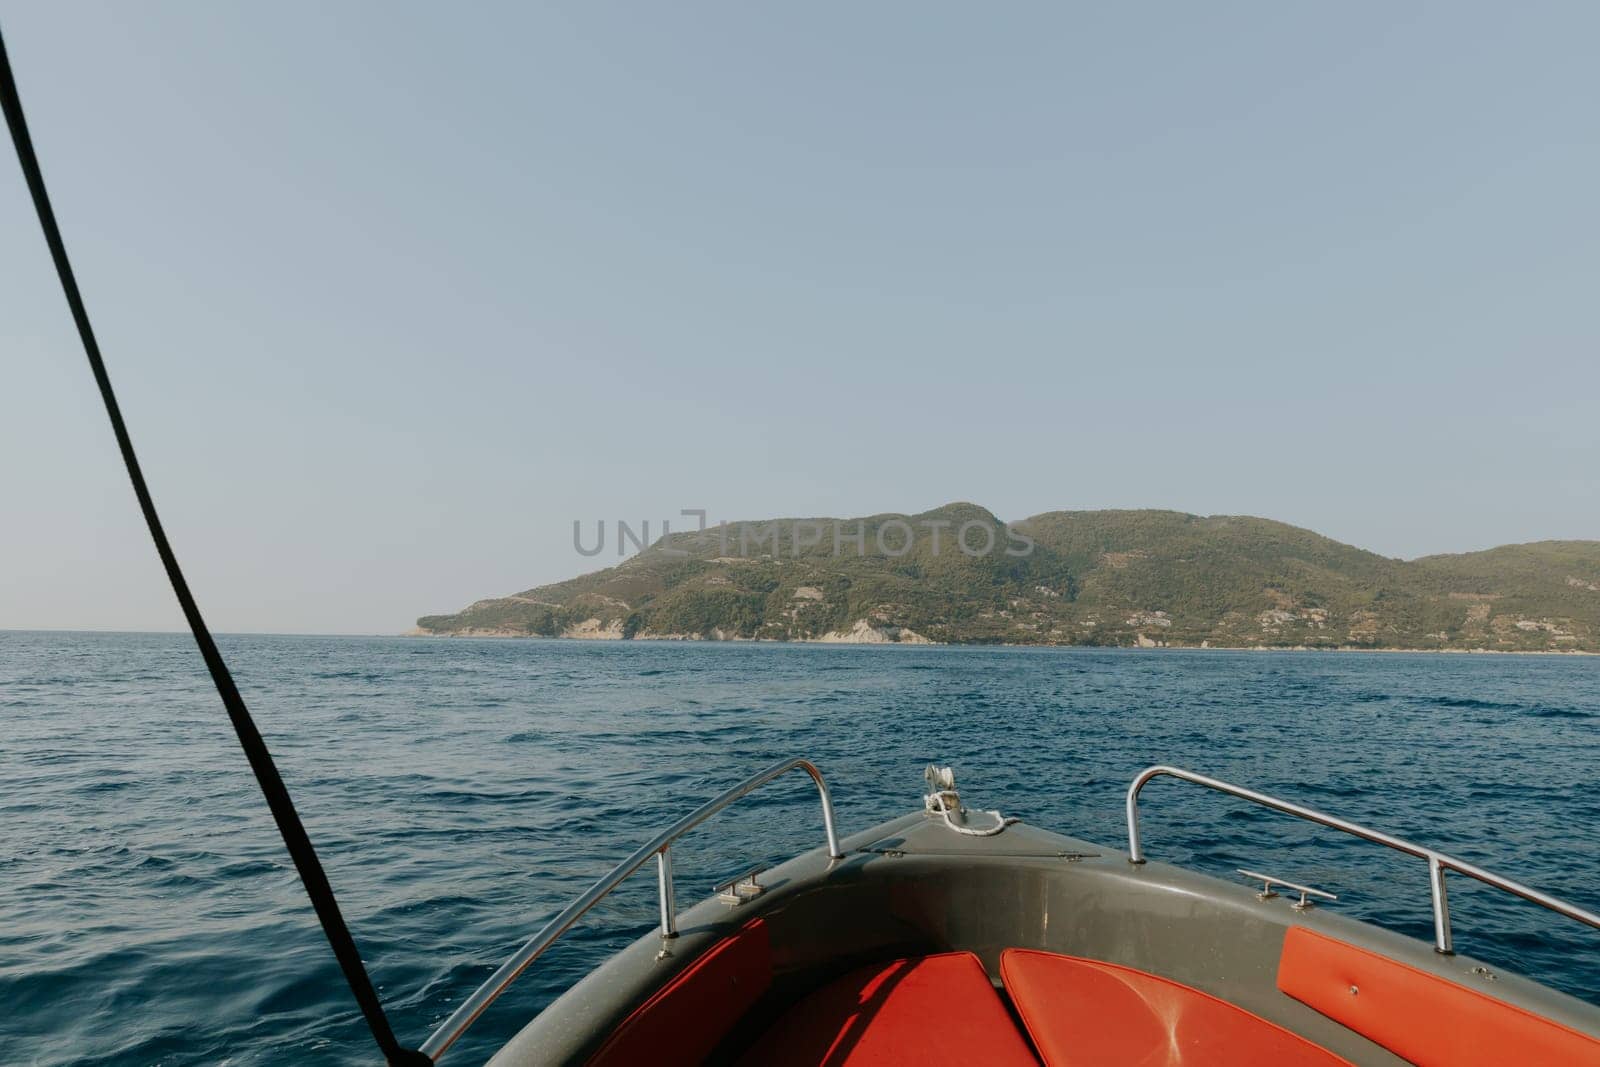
(680, 639)
(413, 633)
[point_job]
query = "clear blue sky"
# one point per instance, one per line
(393, 294)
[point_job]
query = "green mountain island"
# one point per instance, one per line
(958, 574)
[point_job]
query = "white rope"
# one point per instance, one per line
(935, 803)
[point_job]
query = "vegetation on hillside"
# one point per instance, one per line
(1090, 578)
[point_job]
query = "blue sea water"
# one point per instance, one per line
(461, 791)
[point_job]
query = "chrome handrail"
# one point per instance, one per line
(1438, 862)
(659, 846)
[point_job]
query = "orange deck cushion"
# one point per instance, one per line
(1419, 1016)
(937, 1011)
(1086, 1012)
(688, 1017)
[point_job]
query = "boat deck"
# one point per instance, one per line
(1027, 947)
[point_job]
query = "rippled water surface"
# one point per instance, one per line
(461, 791)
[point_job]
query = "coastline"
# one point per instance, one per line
(508, 635)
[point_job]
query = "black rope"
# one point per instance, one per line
(255, 749)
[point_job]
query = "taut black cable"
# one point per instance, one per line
(255, 749)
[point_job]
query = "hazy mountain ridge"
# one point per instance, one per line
(1091, 578)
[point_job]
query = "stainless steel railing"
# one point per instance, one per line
(659, 846)
(1438, 862)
